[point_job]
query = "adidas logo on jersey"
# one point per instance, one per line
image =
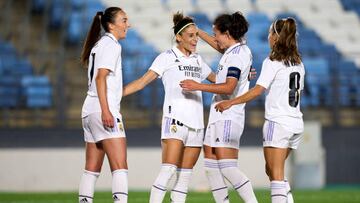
(177, 60)
(217, 140)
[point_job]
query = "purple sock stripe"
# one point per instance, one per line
(222, 188)
(212, 164)
(165, 164)
(238, 186)
(184, 169)
(120, 193)
(86, 196)
(178, 191)
(228, 165)
(159, 188)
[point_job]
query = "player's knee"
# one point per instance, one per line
(96, 167)
(118, 165)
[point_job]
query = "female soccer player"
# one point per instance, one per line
(182, 125)
(282, 77)
(222, 138)
(101, 119)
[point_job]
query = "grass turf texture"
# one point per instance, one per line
(303, 196)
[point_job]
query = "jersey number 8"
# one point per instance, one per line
(294, 86)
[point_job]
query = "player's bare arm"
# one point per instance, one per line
(210, 40)
(248, 96)
(211, 77)
(106, 116)
(140, 83)
(221, 88)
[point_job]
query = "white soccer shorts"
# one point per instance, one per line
(173, 129)
(274, 135)
(94, 130)
(223, 133)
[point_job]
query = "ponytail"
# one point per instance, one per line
(92, 37)
(285, 49)
(101, 19)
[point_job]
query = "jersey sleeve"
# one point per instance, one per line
(267, 74)
(205, 69)
(108, 57)
(234, 66)
(160, 64)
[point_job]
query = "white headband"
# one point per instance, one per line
(184, 27)
(274, 25)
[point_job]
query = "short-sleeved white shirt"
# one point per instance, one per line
(173, 67)
(279, 81)
(238, 56)
(105, 54)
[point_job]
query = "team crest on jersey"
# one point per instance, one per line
(120, 125)
(219, 68)
(173, 128)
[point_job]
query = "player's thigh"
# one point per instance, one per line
(94, 156)
(115, 149)
(190, 157)
(209, 152)
(226, 153)
(172, 151)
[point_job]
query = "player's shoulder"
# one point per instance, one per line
(108, 44)
(168, 53)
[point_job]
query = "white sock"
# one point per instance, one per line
(278, 192)
(290, 198)
(87, 185)
(238, 179)
(179, 192)
(216, 181)
(158, 189)
(120, 185)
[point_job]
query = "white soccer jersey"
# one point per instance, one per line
(105, 54)
(236, 57)
(283, 85)
(173, 67)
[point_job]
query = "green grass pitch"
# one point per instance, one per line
(351, 195)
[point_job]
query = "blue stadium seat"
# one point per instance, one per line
(57, 10)
(75, 30)
(9, 91)
(318, 80)
(37, 91)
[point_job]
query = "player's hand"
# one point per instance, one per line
(252, 74)
(107, 119)
(223, 105)
(189, 85)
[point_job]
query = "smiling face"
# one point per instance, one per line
(120, 26)
(187, 39)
